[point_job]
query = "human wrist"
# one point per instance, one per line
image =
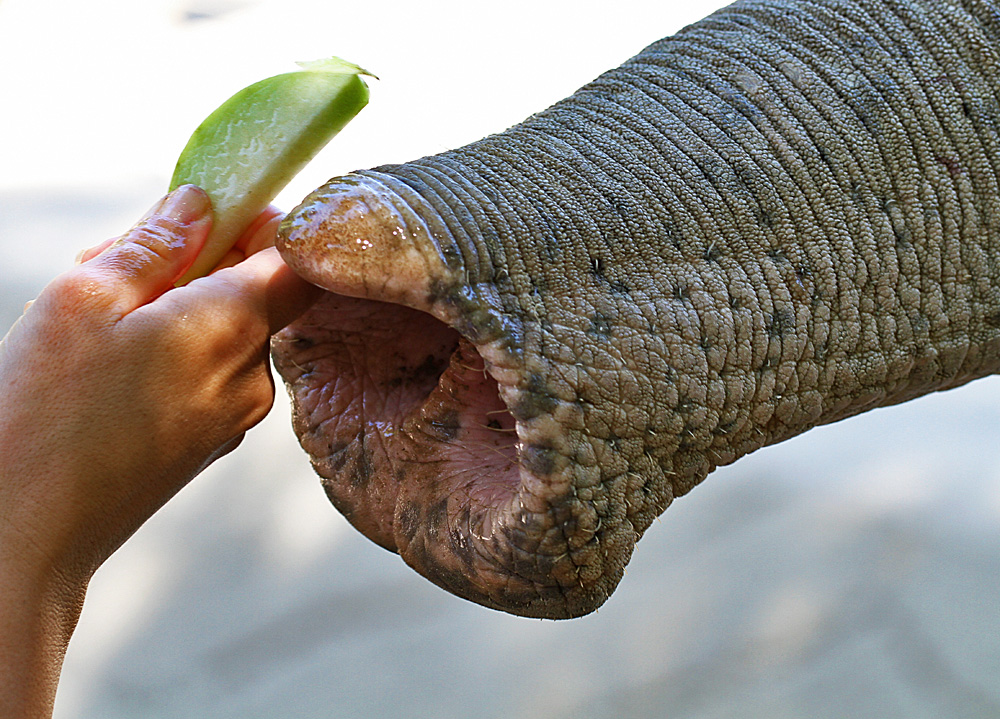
(41, 607)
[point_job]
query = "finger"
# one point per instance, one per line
(259, 236)
(146, 261)
(271, 288)
(287, 294)
(92, 252)
(231, 258)
(264, 236)
(262, 232)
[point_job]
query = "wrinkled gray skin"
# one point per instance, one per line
(787, 214)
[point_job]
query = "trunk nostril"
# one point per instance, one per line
(473, 430)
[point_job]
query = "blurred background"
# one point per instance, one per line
(850, 572)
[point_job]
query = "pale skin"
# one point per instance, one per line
(117, 390)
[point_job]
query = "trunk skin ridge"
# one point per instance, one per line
(784, 215)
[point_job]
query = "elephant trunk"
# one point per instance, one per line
(787, 214)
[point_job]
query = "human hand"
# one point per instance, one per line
(117, 388)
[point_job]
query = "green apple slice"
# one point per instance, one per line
(246, 151)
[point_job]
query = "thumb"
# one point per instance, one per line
(143, 263)
(267, 286)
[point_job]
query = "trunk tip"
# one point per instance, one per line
(355, 236)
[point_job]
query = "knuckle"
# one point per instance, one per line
(79, 294)
(255, 402)
(241, 339)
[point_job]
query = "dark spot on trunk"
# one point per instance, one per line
(337, 447)
(780, 323)
(600, 325)
(460, 545)
(528, 561)
(867, 105)
(623, 209)
(724, 428)
(439, 291)
(436, 516)
(531, 404)
(363, 471)
(432, 366)
(536, 383)
(409, 520)
(452, 256)
(501, 278)
(620, 288)
(538, 460)
(478, 324)
(598, 269)
(451, 579)
(710, 171)
(339, 460)
(447, 425)
(746, 175)
(490, 235)
(742, 104)
(993, 320)
(952, 164)
(539, 285)
(550, 246)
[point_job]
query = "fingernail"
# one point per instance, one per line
(186, 205)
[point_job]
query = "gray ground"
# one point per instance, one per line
(850, 572)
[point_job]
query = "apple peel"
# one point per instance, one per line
(245, 152)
